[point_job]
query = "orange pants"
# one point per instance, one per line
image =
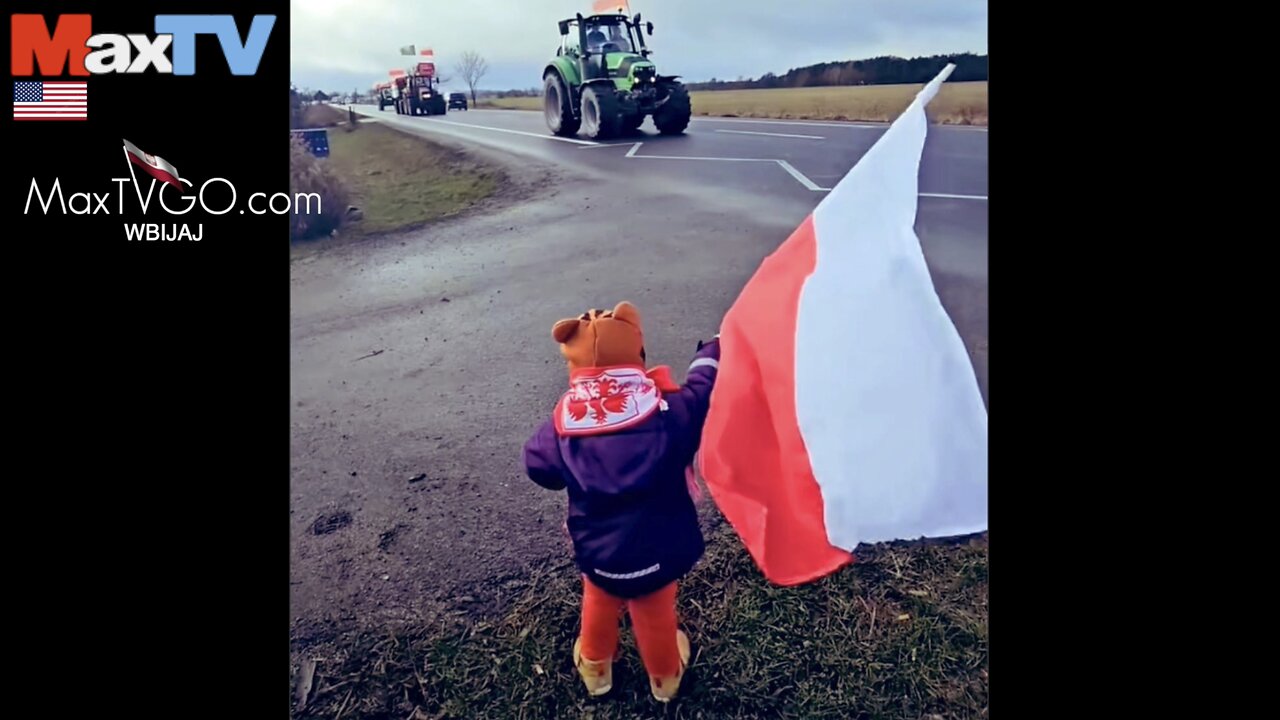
(653, 617)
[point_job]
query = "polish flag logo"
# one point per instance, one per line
(157, 167)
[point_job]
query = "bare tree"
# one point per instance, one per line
(471, 68)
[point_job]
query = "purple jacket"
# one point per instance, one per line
(620, 447)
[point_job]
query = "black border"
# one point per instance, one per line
(1071, 246)
(152, 388)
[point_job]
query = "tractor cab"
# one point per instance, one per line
(603, 44)
(422, 87)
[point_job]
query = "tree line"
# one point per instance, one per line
(875, 71)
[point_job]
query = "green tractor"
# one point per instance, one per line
(602, 81)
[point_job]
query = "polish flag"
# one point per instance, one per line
(846, 409)
(158, 167)
(610, 7)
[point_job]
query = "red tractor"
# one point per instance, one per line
(418, 92)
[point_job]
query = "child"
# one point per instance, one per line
(619, 441)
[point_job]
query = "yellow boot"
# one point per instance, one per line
(664, 689)
(597, 675)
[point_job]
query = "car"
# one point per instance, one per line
(457, 101)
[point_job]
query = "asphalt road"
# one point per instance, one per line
(420, 363)
(745, 155)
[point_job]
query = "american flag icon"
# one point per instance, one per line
(40, 100)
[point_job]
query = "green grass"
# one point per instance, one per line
(900, 634)
(399, 181)
(955, 103)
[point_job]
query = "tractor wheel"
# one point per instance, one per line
(601, 117)
(673, 117)
(632, 123)
(558, 107)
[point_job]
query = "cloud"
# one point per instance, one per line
(340, 44)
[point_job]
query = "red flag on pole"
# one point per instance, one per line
(846, 408)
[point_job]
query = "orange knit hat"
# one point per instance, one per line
(602, 338)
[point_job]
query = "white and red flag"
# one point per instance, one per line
(846, 409)
(607, 7)
(157, 167)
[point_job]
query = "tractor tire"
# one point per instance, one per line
(558, 107)
(601, 116)
(673, 117)
(632, 123)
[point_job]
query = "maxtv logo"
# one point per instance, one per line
(72, 48)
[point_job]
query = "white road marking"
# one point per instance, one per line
(954, 197)
(781, 135)
(808, 123)
(431, 121)
(814, 123)
(791, 170)
(770, 121)
(409, 120)
(604, 145)
(698, 157)
(800, 176)
(632, 154)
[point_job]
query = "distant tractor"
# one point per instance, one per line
(602, 82)
(418, 92)
(384, 96)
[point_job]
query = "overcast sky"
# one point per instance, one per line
(346, 44)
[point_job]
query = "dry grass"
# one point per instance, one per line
(308, 174)
(316, 115)
(398, 181)
(900, 635)
(955, 104)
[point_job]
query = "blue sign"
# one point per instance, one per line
(317, 140)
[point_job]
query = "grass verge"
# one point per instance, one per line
(399, 181)
(955, 103)
(901, 634)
